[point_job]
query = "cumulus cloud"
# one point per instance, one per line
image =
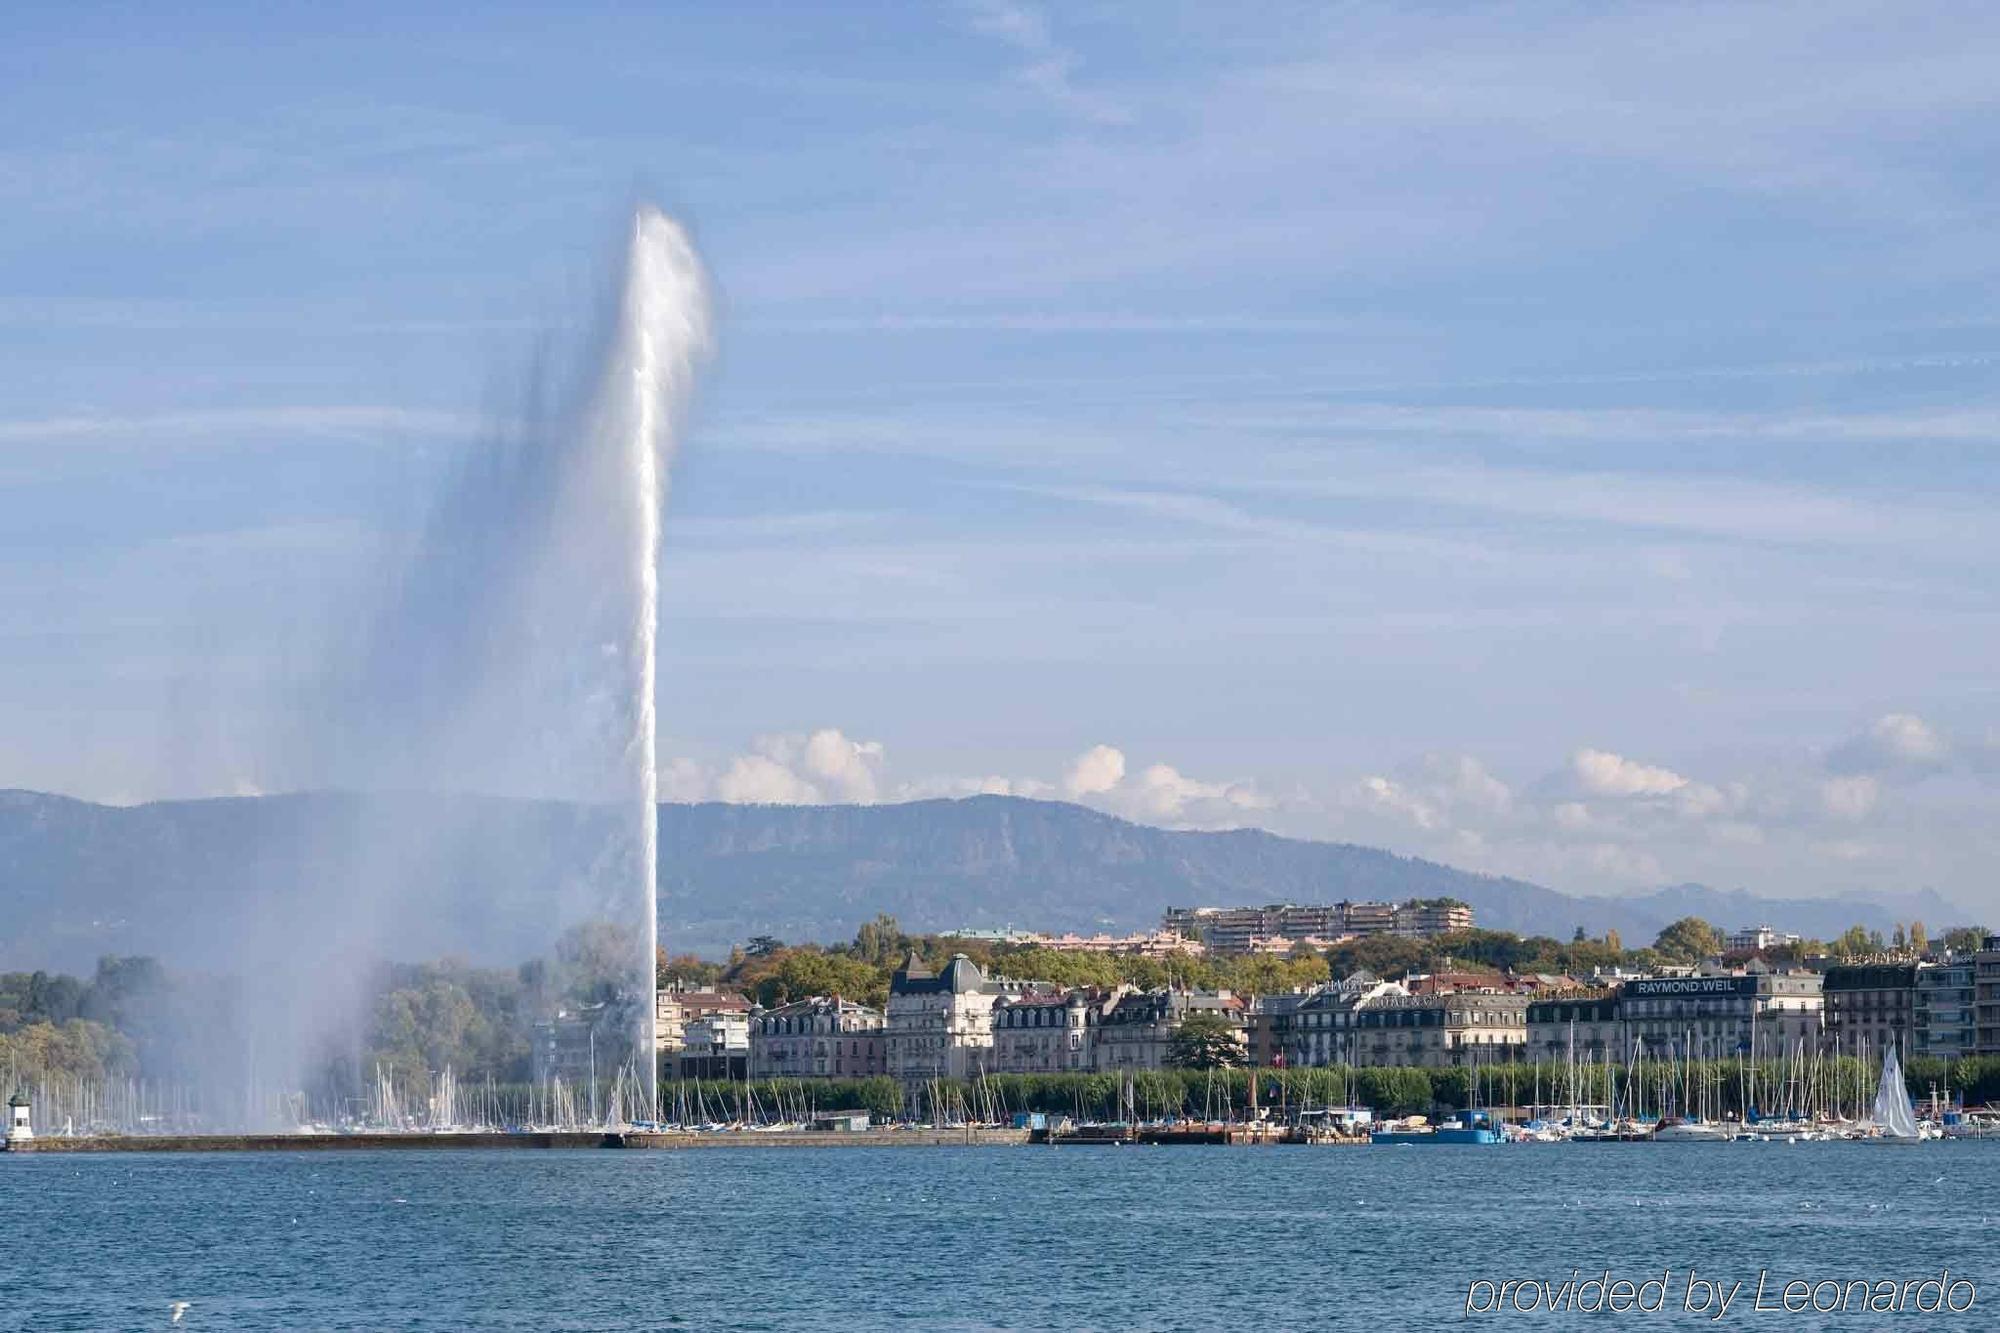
(1387, 796)
(1095, 771)
(1699, 800)
(1603, 773)
(1893, 743)
(787, 769)
(1443, 791)
(1165, 794)
(1602, 821)
(845, 768)
(828, 766)
(756, 779)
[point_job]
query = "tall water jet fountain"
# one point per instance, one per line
(469, 757)
(514, 655)
(663, 329)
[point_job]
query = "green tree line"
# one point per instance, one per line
(773, 972)
(1386, 1091)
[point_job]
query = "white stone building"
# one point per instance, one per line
(824, 1037)
(940, 1025)
(1049, 1031)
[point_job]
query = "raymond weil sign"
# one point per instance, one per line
(1693, 987)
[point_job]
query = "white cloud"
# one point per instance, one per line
(1894, 742)
(755, 779)
(792, 769)
(829, 767)
(1163, 793)
(847, 768)
(1095, 771)
(1909, 739)
(1444, 791)
(1158, 793)
(1390, 797)
(1605, 823)
(1699, 800)
(1851, 797)
(1603, 773)
(683, 780)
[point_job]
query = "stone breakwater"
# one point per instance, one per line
(878, 1138)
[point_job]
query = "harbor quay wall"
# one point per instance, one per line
(883, 1138)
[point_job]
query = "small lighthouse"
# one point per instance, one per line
(18, 1128)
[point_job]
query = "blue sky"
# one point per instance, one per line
(1555, 439)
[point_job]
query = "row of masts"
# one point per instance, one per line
(1802, 1082)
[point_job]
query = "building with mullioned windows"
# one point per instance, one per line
(1315, 1028)
(940, 1024)
(1945, 1024)
(823, 1037)
(1049, 1031)
(1870, 1006)
(1718, 1016)
(1137, 1031)
(1465, 1027)
(1588, 1026)
(1986, 996)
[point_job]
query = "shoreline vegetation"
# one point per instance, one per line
(1390, 1092)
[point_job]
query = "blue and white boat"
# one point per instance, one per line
(1466, 1127)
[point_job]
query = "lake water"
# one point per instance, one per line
(1025, 1238)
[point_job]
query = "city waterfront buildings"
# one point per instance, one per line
(1945, 1022)
(823, 1037)
(1233, 930)
(1870, 1006)
(715, 1046)
(940, 1025)
(1048, 1031)
(1441, 1031)
(1137, 1031)
(1758, 1011)
(1590, 1027)
(675, 1005)
(1986, 996)
(961, 1023)
(1315, 1028)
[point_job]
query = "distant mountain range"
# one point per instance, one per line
(78, 880)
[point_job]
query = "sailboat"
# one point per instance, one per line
(1895, 1114)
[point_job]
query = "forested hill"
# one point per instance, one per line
(78, 880)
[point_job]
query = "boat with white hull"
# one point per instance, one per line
(1692, 1131)
(1895, 1115)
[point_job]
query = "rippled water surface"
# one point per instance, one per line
(1023, 1238)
